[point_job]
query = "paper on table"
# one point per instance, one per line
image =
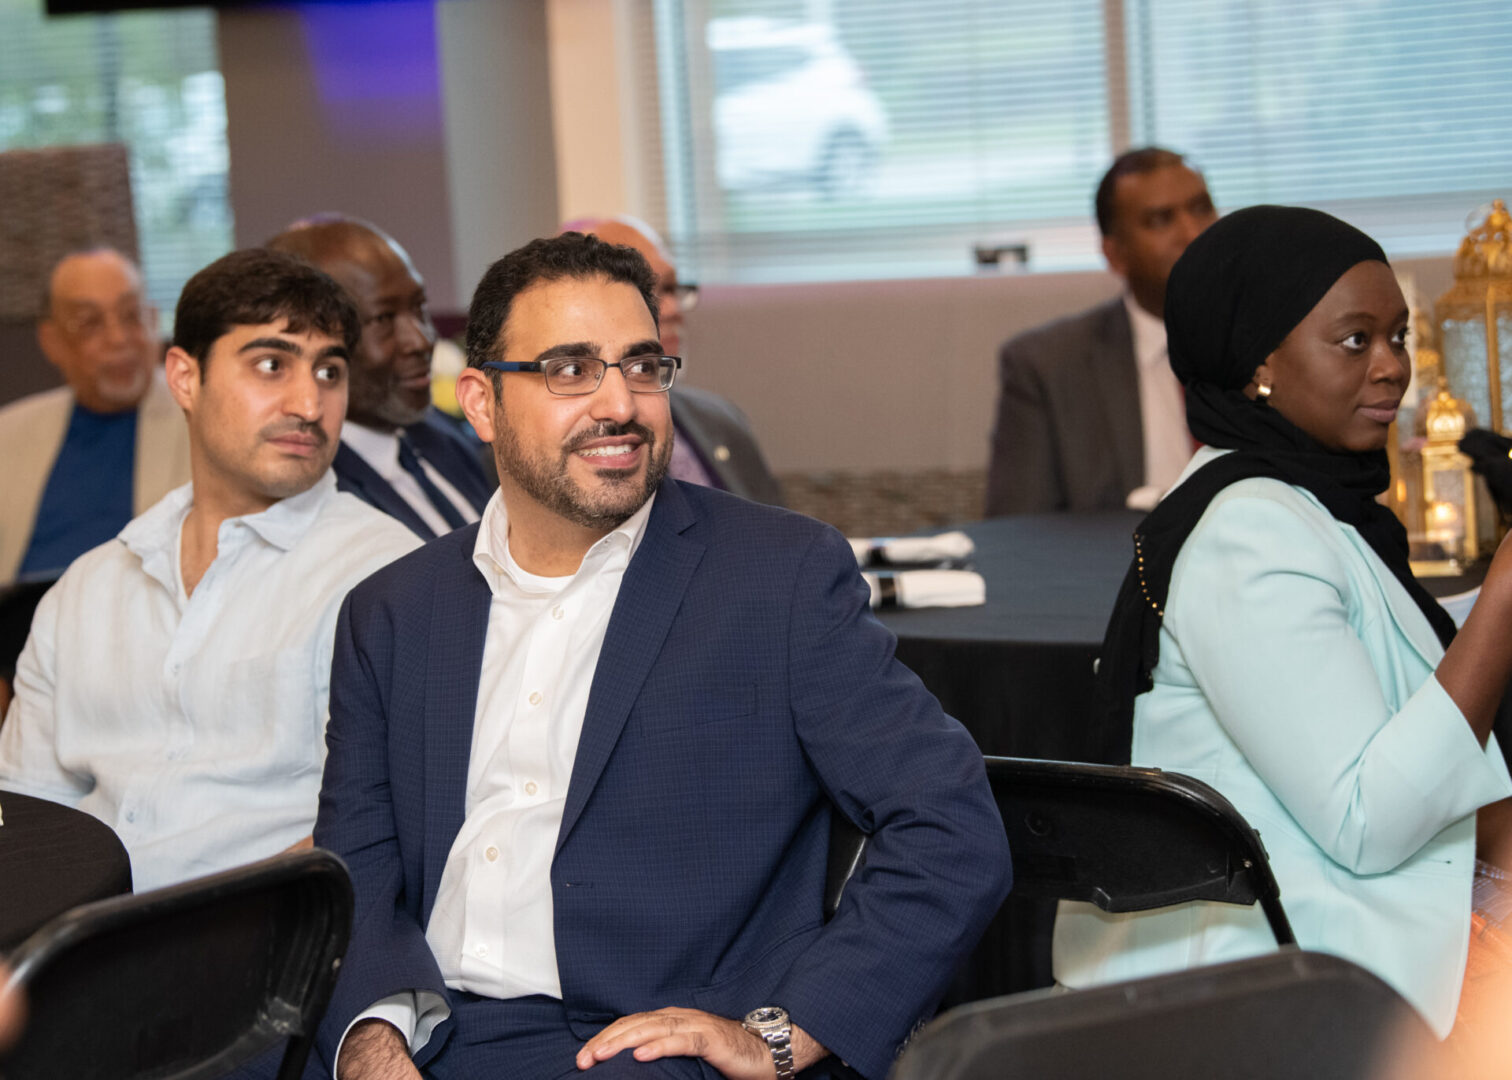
(914, 549)
(927, 588)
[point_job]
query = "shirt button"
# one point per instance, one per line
(131, 815)
(535, 697)
(481, 950)
(491, 854)
(530, 788)
(557, 612)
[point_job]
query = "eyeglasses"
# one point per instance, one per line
(572, 376)
(89, 323)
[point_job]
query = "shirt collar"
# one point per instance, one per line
(380, 449)
(1149, 333)
(492, 557)
(155, 534)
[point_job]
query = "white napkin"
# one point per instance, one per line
(930, 588)
(914, 549)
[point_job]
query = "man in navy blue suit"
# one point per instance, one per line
(397, 453)
(583, 755)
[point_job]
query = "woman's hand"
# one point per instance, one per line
(1478, 663)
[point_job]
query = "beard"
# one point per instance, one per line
(545, 477)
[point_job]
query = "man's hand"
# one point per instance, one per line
(375, 1050)
(724, 1044)
(299, 845)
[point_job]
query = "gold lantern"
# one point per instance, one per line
(1475, 319)
(1450, 537)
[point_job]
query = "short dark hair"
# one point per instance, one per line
(1130, 163)
(257, 286)
(572, 255)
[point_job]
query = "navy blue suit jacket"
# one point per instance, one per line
(743, 687)
(438, 444)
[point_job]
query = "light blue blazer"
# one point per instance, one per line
(1296, 677)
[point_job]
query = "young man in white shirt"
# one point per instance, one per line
(175, 680)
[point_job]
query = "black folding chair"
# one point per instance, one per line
(1289, 1013)
(847, 850)
(187, 982)
(1129, 839)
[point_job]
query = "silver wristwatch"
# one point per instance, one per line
(771, 1025)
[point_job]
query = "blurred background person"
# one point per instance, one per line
(1270, 639)
(397, 453)
(714, 445)
(1088, 410)
(84, 459)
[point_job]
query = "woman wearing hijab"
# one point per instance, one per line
(1270, 638)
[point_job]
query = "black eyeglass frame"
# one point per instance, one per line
(540, 366)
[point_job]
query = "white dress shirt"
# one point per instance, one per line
(380, 449)
(492, 928)
(1162, 405)
(193, 725)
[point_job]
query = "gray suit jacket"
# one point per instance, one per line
(31, 434)
(1068, 434)
(722, 436)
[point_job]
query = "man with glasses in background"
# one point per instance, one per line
(582, 755)
(397, 453)
(84, 459)
(715, 446)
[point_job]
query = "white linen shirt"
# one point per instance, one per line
(1162, 406)
(193, 725)
(492, 928)
(380, 449)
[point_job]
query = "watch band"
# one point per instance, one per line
(780, 1043)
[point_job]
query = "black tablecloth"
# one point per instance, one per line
(52, 858)
(1017, 671)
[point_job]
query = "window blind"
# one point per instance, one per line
(998, 118)
(1390, 113)
(150, 80)
(812, 139)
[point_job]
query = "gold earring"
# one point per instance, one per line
(1263, 392)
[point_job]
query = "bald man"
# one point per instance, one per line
(713, 445)
(84, 459)
(397, 453)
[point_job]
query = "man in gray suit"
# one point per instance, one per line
(713, 444)
(1090, 416)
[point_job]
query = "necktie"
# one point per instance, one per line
(409, 461)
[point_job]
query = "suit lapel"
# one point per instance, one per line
(460, 603)
(449, 454)
(1114, 373)
(360, 479)
(649, 598)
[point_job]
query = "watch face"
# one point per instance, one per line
(767, 1014)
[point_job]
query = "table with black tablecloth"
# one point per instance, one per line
(52, 858)
(1017, 671)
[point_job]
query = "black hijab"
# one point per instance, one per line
(1232, 298)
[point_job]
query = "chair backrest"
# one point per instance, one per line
(1288, 1013)
(186, 982)
(52, 858)
(1129, 839)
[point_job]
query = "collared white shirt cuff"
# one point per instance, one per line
(415, 1013)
